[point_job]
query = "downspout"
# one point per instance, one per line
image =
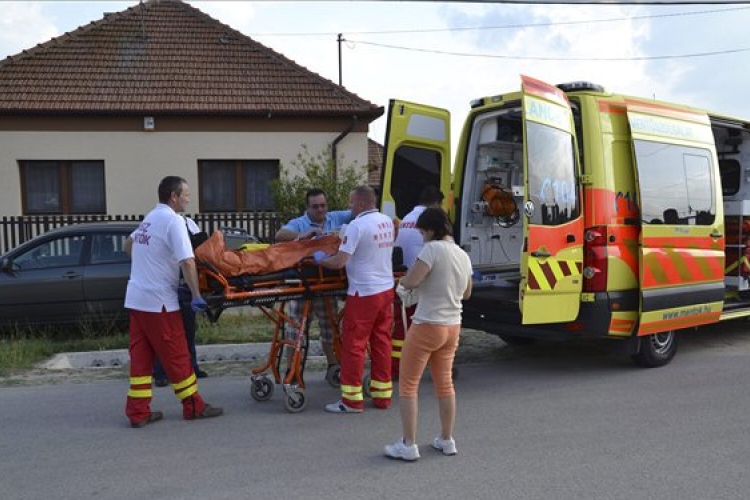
(339, 138)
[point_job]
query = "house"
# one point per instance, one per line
(90, 121)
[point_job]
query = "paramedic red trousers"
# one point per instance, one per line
(367, 319)
(399, 334)
(160, 334)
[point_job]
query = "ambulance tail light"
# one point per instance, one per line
(595, 259)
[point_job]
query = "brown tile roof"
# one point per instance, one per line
(167, 57)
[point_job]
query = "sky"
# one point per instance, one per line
(447, 53)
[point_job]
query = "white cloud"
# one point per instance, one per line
(23, 26)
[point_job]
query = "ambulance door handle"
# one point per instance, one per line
(541, 254)
(571, 238)
(716, 235)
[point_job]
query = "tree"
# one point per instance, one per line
(317, 171)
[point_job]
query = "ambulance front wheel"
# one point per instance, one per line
(656, 350)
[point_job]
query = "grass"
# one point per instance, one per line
(22, 348)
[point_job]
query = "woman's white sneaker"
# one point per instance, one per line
(447, 446)
(402, 451)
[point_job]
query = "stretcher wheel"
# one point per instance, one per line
(333, 375)
(295, 401)
(366, 385)
(261, 389)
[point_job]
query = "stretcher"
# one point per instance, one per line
(226, 286)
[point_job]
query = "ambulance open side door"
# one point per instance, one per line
(552, 259)
(681, 248)
(417, 155)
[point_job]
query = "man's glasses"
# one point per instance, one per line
(318, 206)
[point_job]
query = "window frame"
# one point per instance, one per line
(240, 166)
(66, 189)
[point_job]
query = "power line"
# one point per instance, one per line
(547, 58)
(515, 26)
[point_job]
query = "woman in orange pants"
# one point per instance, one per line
(442, 274)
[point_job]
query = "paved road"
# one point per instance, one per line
(565, 421)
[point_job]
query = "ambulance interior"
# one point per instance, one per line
(493, 188)
(733, 150)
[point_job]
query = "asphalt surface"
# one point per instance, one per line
(557, 421)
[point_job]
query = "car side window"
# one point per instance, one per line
(109, 248)
(60, 252)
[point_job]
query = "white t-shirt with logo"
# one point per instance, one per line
(159, 244)
(368, 239)
(409, 238)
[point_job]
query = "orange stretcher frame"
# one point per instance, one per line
(270, 293)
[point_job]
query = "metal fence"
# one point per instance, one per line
(14, 230)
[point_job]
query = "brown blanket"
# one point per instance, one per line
(272, 259)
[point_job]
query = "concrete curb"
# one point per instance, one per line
(206, 354)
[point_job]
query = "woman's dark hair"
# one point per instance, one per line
(435, 220)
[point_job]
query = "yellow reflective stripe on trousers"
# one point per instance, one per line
(140, 393)
(395, 354)
(381, 394)
(146, 379)
(181, 385)
(376, 384)
(352, 392)
(397, 343)
(184, 394)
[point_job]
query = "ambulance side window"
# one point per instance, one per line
(553, 186)
(676, 184)
(413, 170)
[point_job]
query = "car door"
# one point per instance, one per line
(417, 155)
(681, 245)
(106, 275)
(552, 258)
(44, 283)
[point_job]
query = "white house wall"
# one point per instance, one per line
(135, 162)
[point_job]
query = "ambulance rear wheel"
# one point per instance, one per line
(656, 350)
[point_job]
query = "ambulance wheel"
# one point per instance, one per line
(261, 389)
(295, 401)
(656, 350)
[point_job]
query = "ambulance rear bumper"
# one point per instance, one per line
(503, 317)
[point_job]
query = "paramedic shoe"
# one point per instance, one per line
(200, 373)
(161, 382)
(402, 451)
(447, 446)
(340, 407)
(154, 417)
(209, 412)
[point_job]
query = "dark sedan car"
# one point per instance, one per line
(73, 274)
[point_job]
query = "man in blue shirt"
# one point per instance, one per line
(316, 221)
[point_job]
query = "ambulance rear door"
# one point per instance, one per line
(681, 246)
(417, 155)
(552, 259)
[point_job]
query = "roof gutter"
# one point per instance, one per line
(334, 144)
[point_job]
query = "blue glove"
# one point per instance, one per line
(319, 255)
(198, 304)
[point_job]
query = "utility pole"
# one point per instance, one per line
(340, 39)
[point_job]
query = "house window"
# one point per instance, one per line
(236, 185)
(63, 187)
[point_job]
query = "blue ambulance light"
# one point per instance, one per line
(580, 85)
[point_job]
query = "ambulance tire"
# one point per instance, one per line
(517, 341)
(656, 350)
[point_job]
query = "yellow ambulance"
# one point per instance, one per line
(586, 213)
